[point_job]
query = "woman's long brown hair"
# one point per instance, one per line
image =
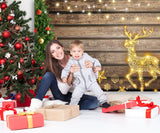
(51, 64)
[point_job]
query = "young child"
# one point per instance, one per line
(84, 79)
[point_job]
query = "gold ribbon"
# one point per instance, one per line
(29, 117)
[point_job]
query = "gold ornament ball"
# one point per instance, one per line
(41, 40)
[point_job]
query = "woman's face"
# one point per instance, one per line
(57, 51)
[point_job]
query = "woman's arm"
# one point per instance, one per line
(69, 80)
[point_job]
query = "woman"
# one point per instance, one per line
(56, 60)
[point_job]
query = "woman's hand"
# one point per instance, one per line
(88, 64)
(95, 69)
(74, 68)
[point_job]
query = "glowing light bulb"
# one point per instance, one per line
(57, 4)
(137, 18)
(158, 18)
(107, 16)
(122, 18)
(89, 13)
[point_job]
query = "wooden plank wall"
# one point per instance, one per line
(103, 34)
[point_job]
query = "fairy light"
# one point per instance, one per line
(105, 5)
(83, 11)
(107, 16)
(99, 10)
(137, 18)
(65, 1)
(148, 4)
(57, 4)
(113, 1)
(158, 18)
(122, 18)
(58, 13)
(139, 4)
(93, 6)
(126, 9)
(89, 13)
(129, 0)
(100, 1)
(68, 7)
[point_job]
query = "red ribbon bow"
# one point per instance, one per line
(6, 108)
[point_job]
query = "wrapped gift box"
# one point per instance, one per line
(128, 104)
(7, 111)
(143, 110)
(24, 121)
(59, 112)
(9, 103)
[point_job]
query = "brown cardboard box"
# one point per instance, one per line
(59, 112)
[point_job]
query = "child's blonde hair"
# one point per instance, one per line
(76, 43)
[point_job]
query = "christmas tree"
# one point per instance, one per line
(43, 29)
(19, 71)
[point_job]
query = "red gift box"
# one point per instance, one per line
(25, 120)
(9, 103)
(129, 104)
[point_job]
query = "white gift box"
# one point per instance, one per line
(142, 112)
(10, 112)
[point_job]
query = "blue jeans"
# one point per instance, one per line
(50, 81)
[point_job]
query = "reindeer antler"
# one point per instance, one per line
(129, 34)
(137, 36)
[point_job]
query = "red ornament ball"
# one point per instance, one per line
(9, 17)
(38, 12)
(0, 18)
(21, 60)
(1, 81)
(19, 73)
(27, 39)
(6, 34)
(33, 62)
(3, 6)
(41, 68)
(47, 28)
(17, 27)
(11, 61)
(6, 78)
(18, 96)
(1, 45)
(2, 61)
(18, 46)
(32, 81)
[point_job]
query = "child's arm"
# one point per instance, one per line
(66, 71)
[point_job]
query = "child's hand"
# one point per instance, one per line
(88, 64)
(64, 80)
(74, 68)
(97, 69)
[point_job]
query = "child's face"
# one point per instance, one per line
(76, 52)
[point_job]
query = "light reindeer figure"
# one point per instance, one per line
(140, 64)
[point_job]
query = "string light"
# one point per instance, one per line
(100, 1)
(122, 18)
(129, 0)
(83, 11)
(89, 13)
(113, 1)
(68, 7)
(158, 18)
(57, 4)
(126, 9)
(148, 4)
(137, 18)
(107, 16)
